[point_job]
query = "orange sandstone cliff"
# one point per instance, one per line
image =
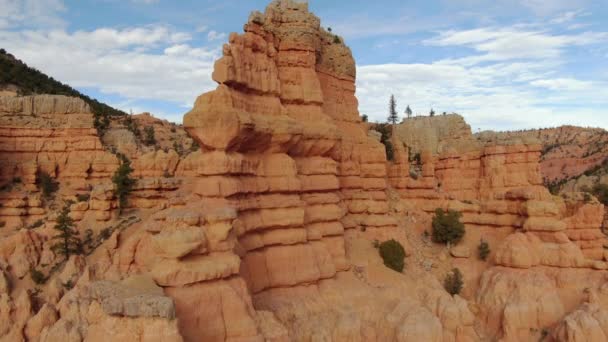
(266, 232)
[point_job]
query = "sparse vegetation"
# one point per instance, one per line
(453, 282)
(68, 241)
(414, 158)
(36, 224)
(149, 136)
(483, 250)
(393, 254)
(31, 81)
(337, 40)
(83, 197)
(385, 138)
(601, 192)
(131, 125)
(447, 227)
(37, 277)
(123, 183)
(47, 185)
(178, 148)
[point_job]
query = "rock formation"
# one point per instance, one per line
(268, 231)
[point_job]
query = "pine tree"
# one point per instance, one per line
(68, 241)
(150, 138)
(123, 183)
(392, 111)
(432, 112)
(408, 112)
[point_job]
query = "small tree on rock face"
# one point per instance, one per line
(46, 184)
(123, 183)
(483, 250)
(393, 255)
(68, 240)
(447, 228)
(149, 136)
(453, 282)
(392, 111)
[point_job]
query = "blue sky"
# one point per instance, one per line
(503, 64)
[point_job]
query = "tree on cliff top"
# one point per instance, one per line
(408, 112)
(392, 110)
(69, 242)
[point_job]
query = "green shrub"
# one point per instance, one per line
(453, 282)
(587, 197)
(149, 136)
(337, 40)
(131, 125)
(36, 224)
(447, 228)
(83, 197)
(37, 276)
(123, 183)
(385, 138)
(393, 255)
(601, 192)
(46, 184)
(483, 250)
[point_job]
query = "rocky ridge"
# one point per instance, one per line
(267, 231)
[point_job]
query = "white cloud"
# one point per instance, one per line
(501, 44)
(214, 35)
(511, 79)
(486, 95)
(31, 13)
(563, 84)
(548, 7)
(137, 63)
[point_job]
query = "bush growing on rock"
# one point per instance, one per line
(123, 183)
(483, 250)
(46, 184)
(601, 192)
(393, 254)
(453, 282)
(149, 137)
(37, 276)
(447, 227)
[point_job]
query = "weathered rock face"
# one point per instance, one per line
(567, 151)
(438, 134)
(267, 231)
(538, 240)
(283, 144)
(54, 134)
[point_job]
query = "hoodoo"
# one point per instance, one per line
(274, 214)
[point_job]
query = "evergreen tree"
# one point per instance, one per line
(408, 112)
(149, 138)
(392, 111)
(68, 240)
(123, 183)
(432, 112)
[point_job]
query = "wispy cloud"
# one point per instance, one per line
(136, 63)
